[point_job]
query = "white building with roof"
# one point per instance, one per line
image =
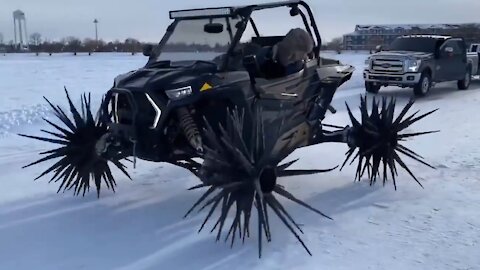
(367, 37)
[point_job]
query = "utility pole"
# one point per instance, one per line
(96, 32)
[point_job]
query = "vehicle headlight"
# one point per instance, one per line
(368, 61)
(179, 93)
(412, 65)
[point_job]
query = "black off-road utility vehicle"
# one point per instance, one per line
(229, 110)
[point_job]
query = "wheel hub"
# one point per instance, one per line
(268, 179)
(425, 84)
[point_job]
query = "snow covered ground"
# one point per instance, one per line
(141, 227)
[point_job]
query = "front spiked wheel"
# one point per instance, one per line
(378, 140)
(241, 175)
(79, 162)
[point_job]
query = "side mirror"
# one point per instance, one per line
(251, 65)
(378, 48)
(294, 11)
(448, 50)
(213, 28)
(443, 52)
(147, 50)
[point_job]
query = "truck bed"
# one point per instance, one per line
(474, 58)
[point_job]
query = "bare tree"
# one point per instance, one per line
(132, 45)
(35, 41)
(336, 44)
(2, 48)
(72, 44)
(90, 45)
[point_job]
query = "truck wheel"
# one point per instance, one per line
(372, 88)
(465, 83)
(423, 86)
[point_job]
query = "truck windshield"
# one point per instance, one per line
(415, 44)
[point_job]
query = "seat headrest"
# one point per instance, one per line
(296, 45)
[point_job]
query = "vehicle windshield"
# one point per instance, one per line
(191, 42)
(416, 44)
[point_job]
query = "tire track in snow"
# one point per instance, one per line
(151, 261)
(48, 215)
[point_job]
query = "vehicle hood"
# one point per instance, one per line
(402, 55)
(165, 77)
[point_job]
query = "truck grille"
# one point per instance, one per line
(387, 66)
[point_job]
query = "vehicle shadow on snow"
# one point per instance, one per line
(114, 232)
(402, 96)
(143, 228)
(440, 91)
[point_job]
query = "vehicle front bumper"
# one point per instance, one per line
(392, 79)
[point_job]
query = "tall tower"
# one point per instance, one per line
(20, 29)
(96, 32)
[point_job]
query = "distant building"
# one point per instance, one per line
(367, 37)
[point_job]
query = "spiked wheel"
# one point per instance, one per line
(378, 139)
(242, 175)
(79, 162)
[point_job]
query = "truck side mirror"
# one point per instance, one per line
(449, 51)
(251, 65)
(444, 52)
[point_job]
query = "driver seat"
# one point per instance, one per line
(293, 50)
(287, 56)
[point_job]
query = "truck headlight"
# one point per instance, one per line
(368, 62)
(412, 65)
(179, 93)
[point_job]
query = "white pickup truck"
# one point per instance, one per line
(473, 56)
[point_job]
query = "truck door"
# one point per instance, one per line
(453, 60)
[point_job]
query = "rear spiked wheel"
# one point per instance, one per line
(377, 140)
(241, 175)
(77, 140)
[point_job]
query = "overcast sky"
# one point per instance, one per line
(146, 19)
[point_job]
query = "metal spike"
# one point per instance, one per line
(287, 173)
(76, 167)
(282, 218)
(378, 140)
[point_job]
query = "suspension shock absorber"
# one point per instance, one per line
(190, 129)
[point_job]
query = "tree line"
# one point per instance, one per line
(72, 44)
(75, 45)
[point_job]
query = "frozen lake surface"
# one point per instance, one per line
(140, 227)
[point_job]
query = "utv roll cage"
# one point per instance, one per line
(245, 12)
